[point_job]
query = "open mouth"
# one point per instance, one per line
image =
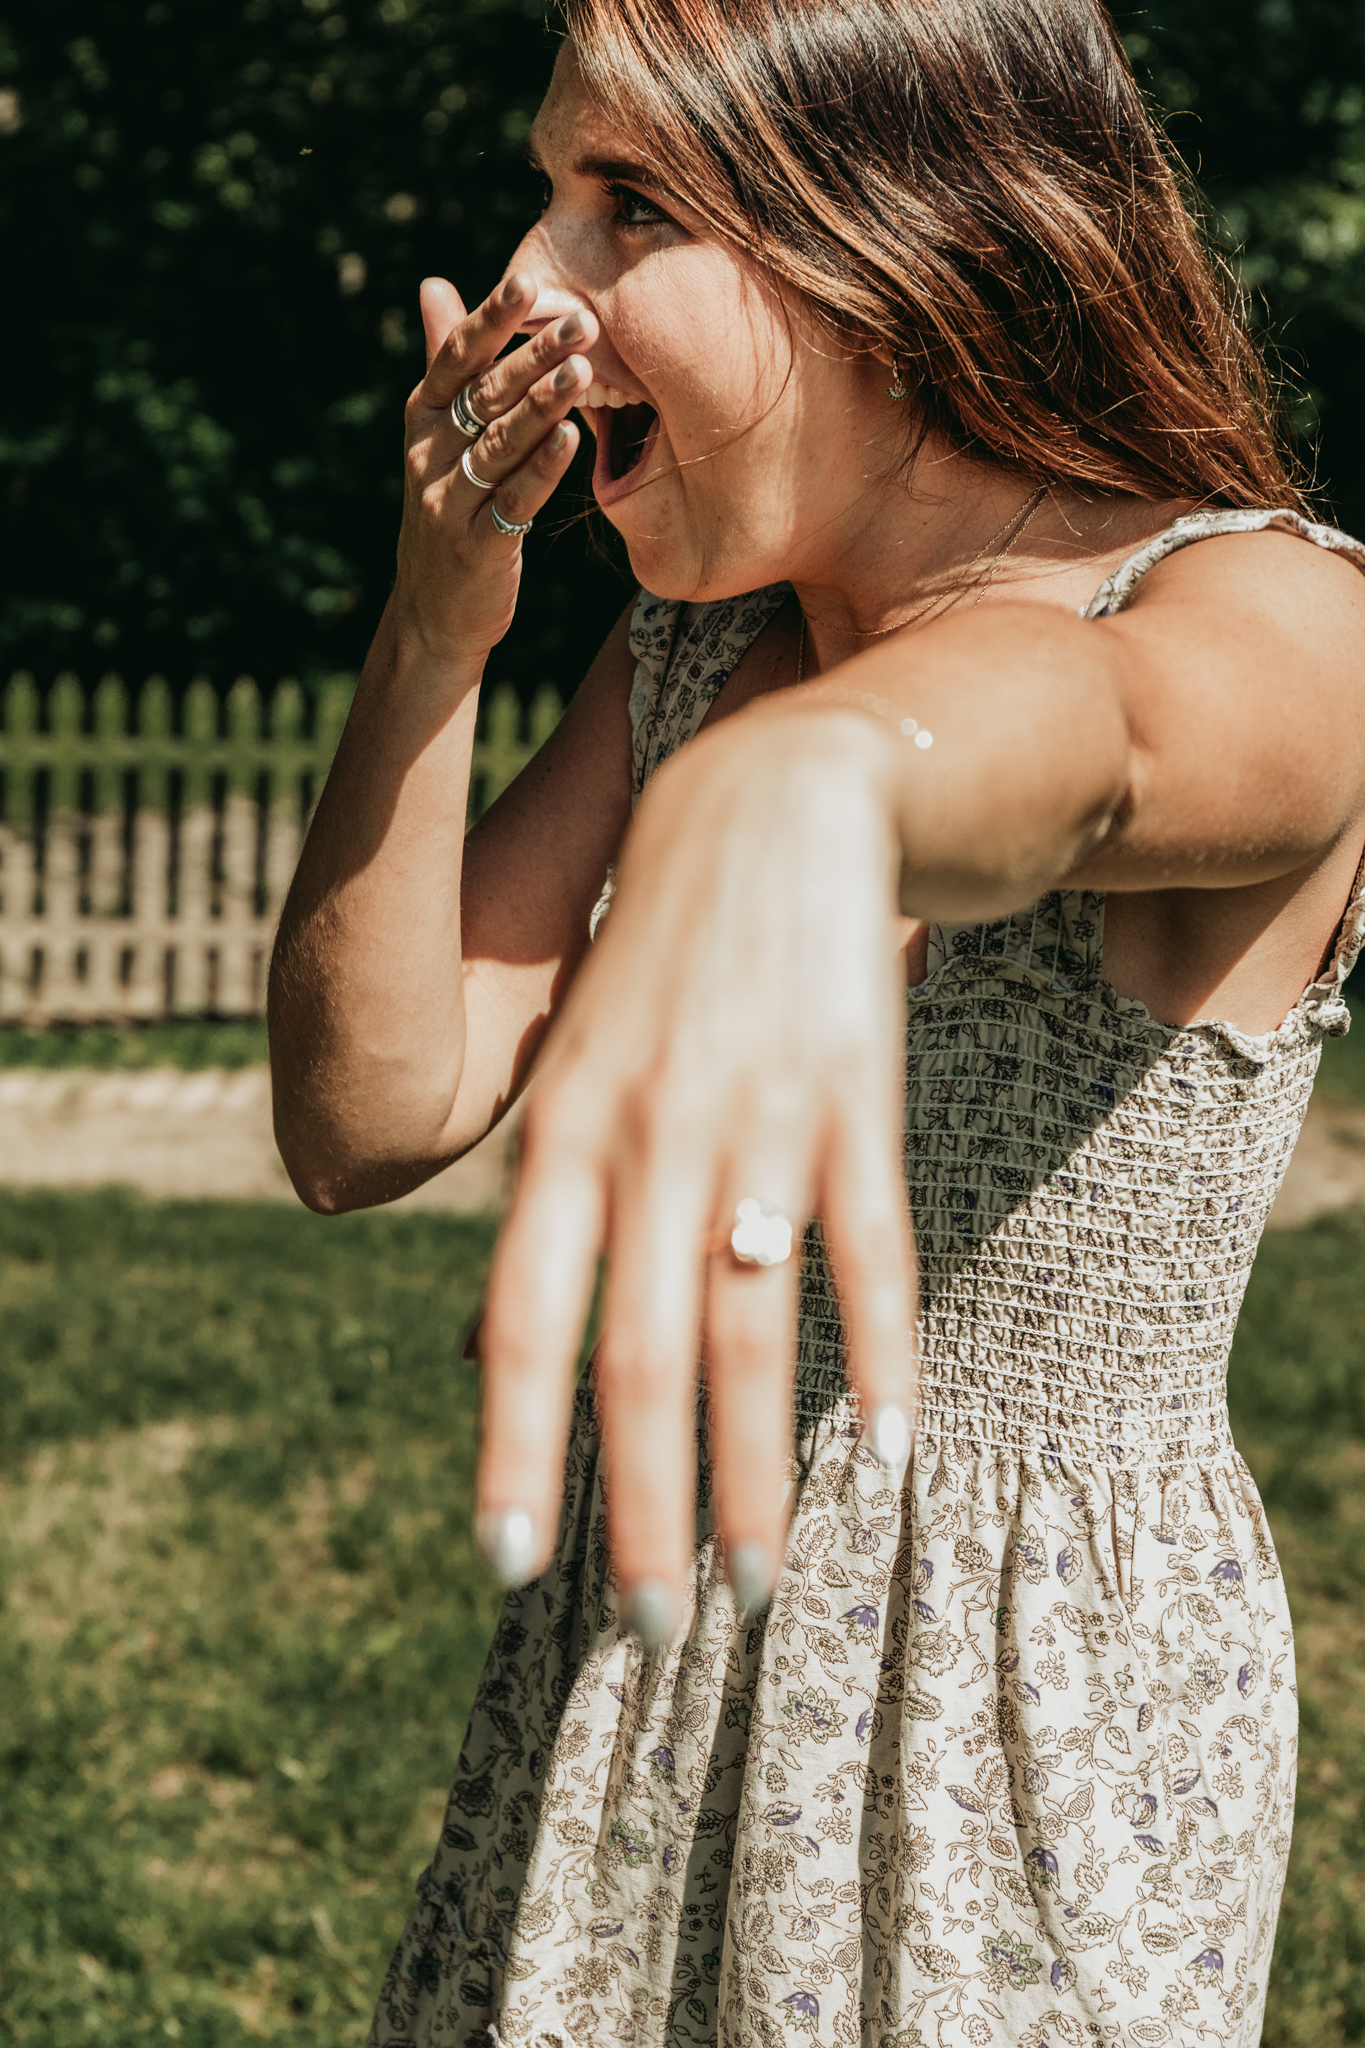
(625, 436)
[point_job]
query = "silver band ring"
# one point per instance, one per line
(480, 483)
(465, 417)
(509, 526)
(761, 1236)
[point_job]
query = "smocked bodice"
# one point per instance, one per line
(1088, 1184)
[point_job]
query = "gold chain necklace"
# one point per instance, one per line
(1020, 520)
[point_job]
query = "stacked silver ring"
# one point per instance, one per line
(480, 483)
(471, 425)
(465, 417)
(509, 526)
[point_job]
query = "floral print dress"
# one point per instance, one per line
(1010, 1759)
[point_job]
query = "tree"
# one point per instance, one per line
(215, 217)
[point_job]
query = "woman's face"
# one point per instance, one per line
(748, 448)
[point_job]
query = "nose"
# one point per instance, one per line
(535, 258)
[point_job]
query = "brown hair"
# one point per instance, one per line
(976, 185)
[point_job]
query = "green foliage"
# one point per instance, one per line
(232, 1043)
(201, 406)
(1266, 101)
(214, 219)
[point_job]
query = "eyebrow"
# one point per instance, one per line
(608, 170)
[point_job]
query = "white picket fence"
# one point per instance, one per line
(144, 860)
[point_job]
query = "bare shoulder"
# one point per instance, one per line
(1274, 578)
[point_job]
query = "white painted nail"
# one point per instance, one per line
(889, 1433)
(752, 1577)
(651, 1614)
(596, 394)
(508, 1540)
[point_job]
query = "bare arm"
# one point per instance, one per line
(737, 1031)
(416, 969)
(411, 980)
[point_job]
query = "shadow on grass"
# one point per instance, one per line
(242, 1614)
(243, 1618)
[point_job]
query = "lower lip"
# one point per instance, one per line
(606, 488)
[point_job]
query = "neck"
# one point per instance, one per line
(931, 541)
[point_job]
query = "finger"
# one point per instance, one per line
(529, 488)
(497, 390)
(471, 344)
(750, 1367)
(510, 441)
(646, 1380)
(539, 1290)
(442, 307)
(868, 1232)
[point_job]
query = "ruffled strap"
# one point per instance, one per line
(684, 655)
(1116, 592)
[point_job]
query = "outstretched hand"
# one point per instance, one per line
(737, 1033)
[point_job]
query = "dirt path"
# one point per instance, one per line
(172, 1133)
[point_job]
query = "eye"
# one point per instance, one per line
(633, 210)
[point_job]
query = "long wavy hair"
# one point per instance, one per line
(976, 185)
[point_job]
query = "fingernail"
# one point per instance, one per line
(508, 1540)
(557, 440)
(752, 1577)
(566, 377)
(651, 1615)
(513, 291)
(889, 1435)
(571, 330)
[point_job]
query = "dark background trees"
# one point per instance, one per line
(214, 217)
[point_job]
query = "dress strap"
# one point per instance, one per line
(1117, 591)
(684, 655)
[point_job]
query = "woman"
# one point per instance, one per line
(913, 394)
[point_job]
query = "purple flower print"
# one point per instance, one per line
(782, 1816)
(1226, 1577)
(803, 2011)
(1246, 1678)
(1069, 1564)
(1062, 1975)
(863, 1725)
(660, 1761)
(1207, 1967)
(605, 1930)
(965, 1799)
(1042, 1867)
(861, 1622)
(1150, 1844)
(670, 1859)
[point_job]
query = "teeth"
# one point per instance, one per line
(604, 394)
(616, 399)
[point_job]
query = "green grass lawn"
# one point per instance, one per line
(241, 1617)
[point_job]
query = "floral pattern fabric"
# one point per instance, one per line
(1010, 1759)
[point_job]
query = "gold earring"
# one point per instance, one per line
(897, 389)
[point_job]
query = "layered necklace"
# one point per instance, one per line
(999, 545)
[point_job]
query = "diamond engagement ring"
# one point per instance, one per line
(480, 483)
(509, 526)
(761, 1237)
(465, 417)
